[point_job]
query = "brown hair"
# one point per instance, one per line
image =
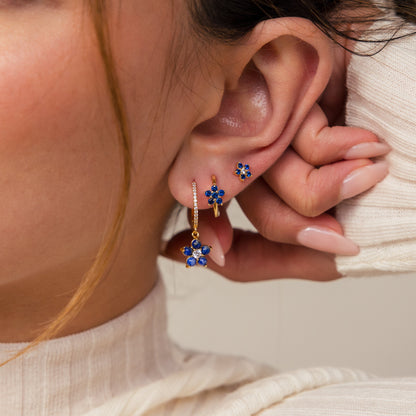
(231, 20)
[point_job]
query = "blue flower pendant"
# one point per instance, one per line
(195, 254)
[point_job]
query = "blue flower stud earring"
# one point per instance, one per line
(214, 196)
(242, 171)
(196, 252)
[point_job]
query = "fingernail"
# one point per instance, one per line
(325, 239)
(217, 253)
(361, 179)
(364, 150)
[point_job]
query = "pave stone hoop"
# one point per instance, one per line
(196, 252)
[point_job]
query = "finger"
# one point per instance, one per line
(319, 144)
(276, 221)
(312, 191)
(253, 258)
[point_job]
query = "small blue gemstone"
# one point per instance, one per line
(219, 201)
(205, 250)
(191, 261)
(202, 261)
(196, 244)
(187, 251)
(238, 171)
(221, 193)
(240, 166)
(246, 167)
(248, 174)
(215, 195)
(243, 177)
(211, 201)
(214, 188)
(207, 193)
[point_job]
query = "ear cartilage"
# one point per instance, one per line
(196, 252)
(242, 171)
(214, 196)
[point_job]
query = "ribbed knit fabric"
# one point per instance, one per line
(129, 367)
(382, 99)
(70, 375)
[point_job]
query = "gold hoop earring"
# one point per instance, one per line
(196, 252)
(215, 196)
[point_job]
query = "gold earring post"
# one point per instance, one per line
(215, 205)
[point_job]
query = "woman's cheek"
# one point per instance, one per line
(59, 161)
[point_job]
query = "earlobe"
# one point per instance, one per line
(281, 70)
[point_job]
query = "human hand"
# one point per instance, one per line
(287, 206)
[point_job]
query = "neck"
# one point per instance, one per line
(27, 304)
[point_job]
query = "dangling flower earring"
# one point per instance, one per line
(196, 252)
(215, 196)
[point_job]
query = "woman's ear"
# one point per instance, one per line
(273, 78)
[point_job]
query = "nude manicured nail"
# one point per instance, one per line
(361, 179)
(364, 150)
(325, 239)
(217, 253)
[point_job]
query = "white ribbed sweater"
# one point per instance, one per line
(382, 99)
(130, 367)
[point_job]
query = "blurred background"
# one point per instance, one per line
(366, 323)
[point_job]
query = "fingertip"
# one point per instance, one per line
(363, 178)
(217, 255)
(218, 231)
(210, 237)
(327, 240)
(367, 150)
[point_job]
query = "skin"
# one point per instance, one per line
(60, 159)
(61, 166)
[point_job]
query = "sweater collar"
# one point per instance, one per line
(73, 374)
